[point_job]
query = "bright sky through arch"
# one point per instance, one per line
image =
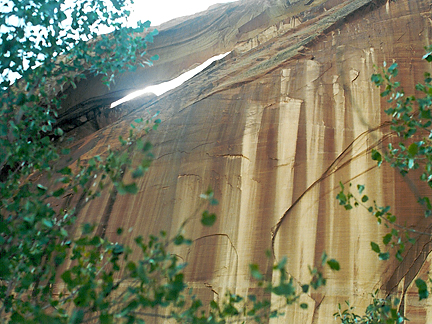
(163, 10)
(166, 86)
(158, 13)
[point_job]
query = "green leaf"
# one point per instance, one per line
(376, 156)
(334, 265)
(118, 249)
(58, 192)
(323, 258)
(17, 318)
(147, 24)
(384, 256)
(66, 171)
(398, 256)
(305, 288)
(273, 314)
(303, 305)
(213, 201)
(95, 241)
(377, 79)
(282, 263)
(47, 223)
(360, 188)
(392, 218)
(87, 228)
(348, 207)
(42, 188)
(208, 219)
(413, 149)
(411, 163)
(375, 247)
(106, 319)
(67, 277)
(131, 188)
(58, 131)
(131, 266)
(422, 289)
(286, 289)
(138, 172)
(179, 239)
(255, 272)
(342, 198)
(387, 238)
(427, 57)
(385, 93)
(393, 69)
(116, 4)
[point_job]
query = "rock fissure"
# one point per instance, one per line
(229, 156)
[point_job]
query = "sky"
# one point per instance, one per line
(163, 10)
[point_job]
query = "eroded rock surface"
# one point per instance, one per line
(273, 128)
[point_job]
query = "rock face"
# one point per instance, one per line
(273, 128)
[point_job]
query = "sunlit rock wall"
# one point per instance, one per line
(273, 128)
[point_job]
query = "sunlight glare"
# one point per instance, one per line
(160, 89)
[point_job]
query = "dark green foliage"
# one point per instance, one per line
(46, 44)
(422, 289)
(208, 219)
(333, 264)
(381, 310)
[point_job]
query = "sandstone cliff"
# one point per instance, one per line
(272, 128)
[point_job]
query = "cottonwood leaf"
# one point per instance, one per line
(208, 219)
(375, 247)
(333, 264)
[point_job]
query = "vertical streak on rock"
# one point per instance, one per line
(339, 146)
(102, 226)
(339, 109)
(265, 172)
(289, 118)
(289, 114)
(249, 187)
(314, 149)
(288, 125)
